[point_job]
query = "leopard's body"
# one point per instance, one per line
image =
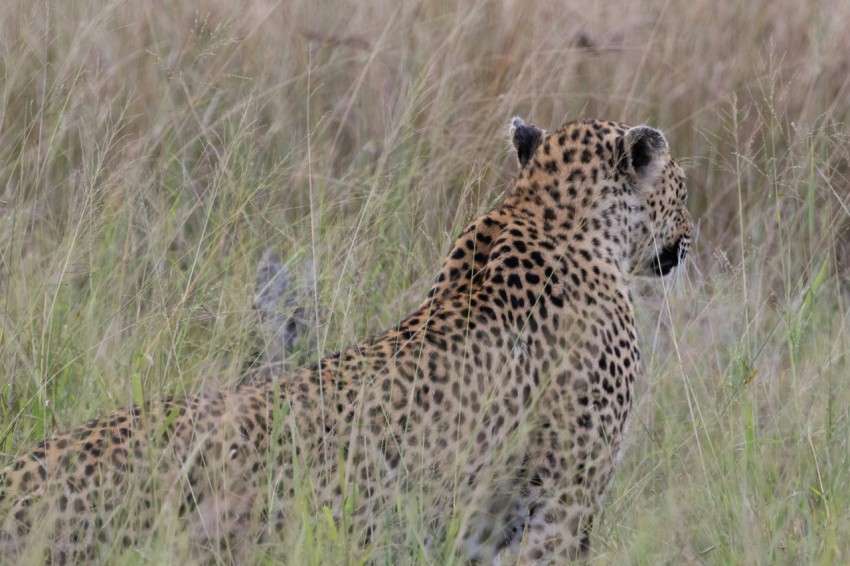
(501, 400)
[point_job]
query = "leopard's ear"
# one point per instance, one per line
(646, 153)
(526, 138)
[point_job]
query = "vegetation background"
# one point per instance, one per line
(151, 151)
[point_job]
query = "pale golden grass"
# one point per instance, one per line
(150, 151)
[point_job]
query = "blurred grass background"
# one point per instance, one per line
(150, 151)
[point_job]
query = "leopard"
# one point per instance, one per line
(499, 405)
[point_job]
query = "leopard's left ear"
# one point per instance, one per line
(646, 153)
(526, 138)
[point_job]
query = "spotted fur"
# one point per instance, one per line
(501, 400)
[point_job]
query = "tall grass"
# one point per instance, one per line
(150, 152)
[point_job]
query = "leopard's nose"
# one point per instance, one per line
(668, 258)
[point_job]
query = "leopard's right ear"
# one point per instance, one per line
(526, 138)
(646, 152)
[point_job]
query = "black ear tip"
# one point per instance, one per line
(525, 135)
(526, 138)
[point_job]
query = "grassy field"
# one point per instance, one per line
(151, 151)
